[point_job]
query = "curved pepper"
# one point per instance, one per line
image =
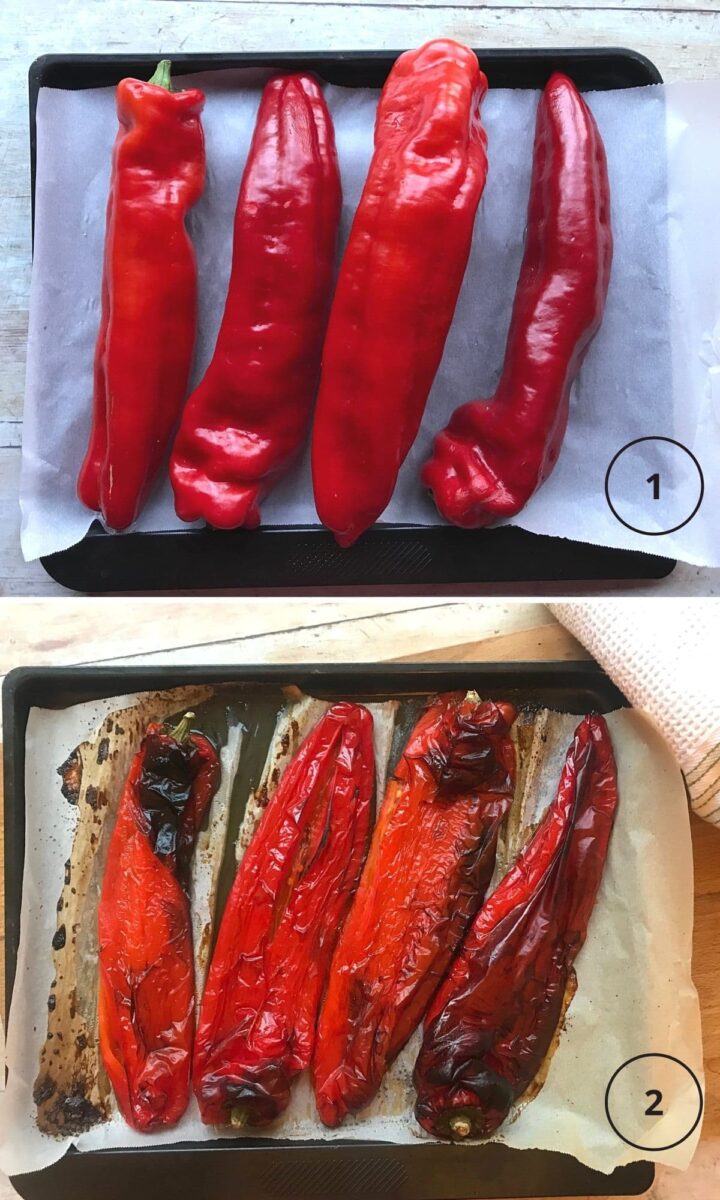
(246, 421)
(495, 453)
(430, 861)
(258, 1014)
(492, 1021)
(399, 281)
(146, 338)
(146, 1006)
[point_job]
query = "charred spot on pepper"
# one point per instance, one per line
(103, 750)
(67, 871)
(164, 789)
(71, 774)
(91, 796)
(58, 940)
(43, 1090)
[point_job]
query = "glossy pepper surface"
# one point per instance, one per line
(146, 1006)
(247, 420)
(430, 861)
(492, 1022)
(259, 1010)
(495, 453)
(399, 281)
(146, 339)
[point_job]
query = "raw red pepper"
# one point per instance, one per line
(258, 1015)
(399, 281)
(431, 859)
(247, 420)
(146, 1006)
(495, 453)
(146, 339)
(493, 1020)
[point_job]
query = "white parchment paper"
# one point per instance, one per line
(635, 993)
(653, 370)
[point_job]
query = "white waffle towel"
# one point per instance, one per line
(664, 655)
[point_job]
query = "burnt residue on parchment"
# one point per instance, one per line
(71, 1090)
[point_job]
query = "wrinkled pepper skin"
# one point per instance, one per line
(246, 422)
(146, 338)
(430, 861)
(398, 282)
(495, 453)
(493, 1020)
(258, 1015)
(146, 1007)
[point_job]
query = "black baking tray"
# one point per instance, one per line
(292, 1170)
(307, 556)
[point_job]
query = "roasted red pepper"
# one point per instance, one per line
(493, 1020)
(431, 859)
(258, 1015)
(247, 420)
(495, 453)
(146, 1006)
(146, 339)
(399, 281)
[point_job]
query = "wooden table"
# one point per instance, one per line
(41, 632)
(681, 36)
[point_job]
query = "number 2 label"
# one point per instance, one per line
(653, 1110)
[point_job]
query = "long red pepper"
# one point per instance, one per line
(245, 423)
(146, 338)
(492, 1022)
(399, 281)
(431, 859)
(147, 992)
(258, 1015)
(495, 453)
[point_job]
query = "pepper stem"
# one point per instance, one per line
(460, 1126)
(182, 729)
(161, 78)
(238, 1116)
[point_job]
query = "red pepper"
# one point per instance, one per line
(147, 990)
(431, 859)
(247, 420)
(146, 339)
(258, 1015)
(399, 281)
(495, 453)
(493, 1020)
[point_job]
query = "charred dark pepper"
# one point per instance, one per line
(495, 453)
(492, 1021)
(146, 1006)
(430, 861)
(258, 1015)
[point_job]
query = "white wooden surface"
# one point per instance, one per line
(681, 36)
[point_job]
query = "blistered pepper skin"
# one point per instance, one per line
(258, 1015)
(246, 422)
(146, 337)
(494, 454)
(398, 282)
(146, 1005)
(493, 1020)
(430, 861)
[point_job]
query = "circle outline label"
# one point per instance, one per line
(639, 1145)
(635, 528)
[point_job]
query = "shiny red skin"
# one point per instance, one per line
(431, 859)
(495, 453)
(256, 1028)
(146, 338)
(398, 282)
(246, 422)
(146, 1003)
(493, 1020)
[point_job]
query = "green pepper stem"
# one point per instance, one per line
(238, 1116)
(182, 729)
(161, 78)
